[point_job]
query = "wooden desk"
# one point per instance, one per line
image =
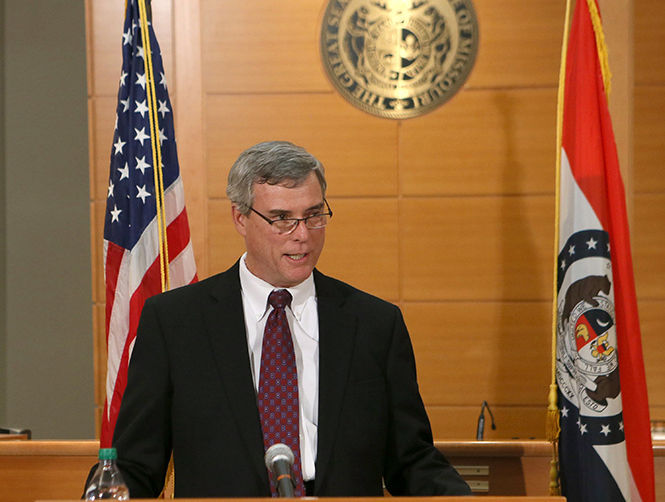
(45, 469)
(501, 467)
(48, 470)
(374, 499)
(13, 437)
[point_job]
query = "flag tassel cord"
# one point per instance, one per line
(159, 183)
(552, 428)
(156, 150)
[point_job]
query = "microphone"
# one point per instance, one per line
(480, 430)
(279, 459)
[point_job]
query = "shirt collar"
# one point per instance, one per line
(256, 291)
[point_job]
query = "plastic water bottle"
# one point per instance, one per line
(107, 483)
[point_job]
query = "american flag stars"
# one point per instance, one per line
(131, 191)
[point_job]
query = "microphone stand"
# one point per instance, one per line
(480, 429)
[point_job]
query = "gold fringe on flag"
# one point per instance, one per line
(552, 428)
(601, 48)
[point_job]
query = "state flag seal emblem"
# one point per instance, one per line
(587, 362)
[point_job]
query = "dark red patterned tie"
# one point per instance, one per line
(278, 387)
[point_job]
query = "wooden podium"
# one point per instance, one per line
(372, 499)
(496, 470)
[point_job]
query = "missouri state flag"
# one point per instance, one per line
(605, 450)
(147, 245)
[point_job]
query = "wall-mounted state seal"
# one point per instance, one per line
(398, 58)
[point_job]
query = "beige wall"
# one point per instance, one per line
(450, 215)
(45, 322)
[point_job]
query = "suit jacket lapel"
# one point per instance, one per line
(337, 332)
(226, 329)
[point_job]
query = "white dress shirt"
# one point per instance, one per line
(303, 321)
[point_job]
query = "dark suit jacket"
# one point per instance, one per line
(190, 389)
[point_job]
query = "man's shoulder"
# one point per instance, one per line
(198, 290)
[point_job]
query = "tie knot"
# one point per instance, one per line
(280, 298)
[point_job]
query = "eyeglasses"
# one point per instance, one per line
(288, 225)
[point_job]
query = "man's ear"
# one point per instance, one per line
(239, 220)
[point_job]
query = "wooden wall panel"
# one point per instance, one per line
(652, 323)
(482, 142)
(257, 46)
(649, 245)
(362, 245)
(512, 422)
(225, 245)
(102, 127)
(468, 352)
(99, 342)
(657, 411)
(649, 143)
(649, 42)
(238, 33)
(520, 43)
(477, 248)
(98, 209)
(359, 151)
(99, 362)
(187, 104)
(648, 229)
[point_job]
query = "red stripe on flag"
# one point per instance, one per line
(637, 424)
(178, 234)
(114, 254)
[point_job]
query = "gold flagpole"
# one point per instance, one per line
(552, 428)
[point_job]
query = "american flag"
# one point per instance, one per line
(133, 242)
(605, 449)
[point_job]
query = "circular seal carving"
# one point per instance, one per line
(398, 58)
(587, 360)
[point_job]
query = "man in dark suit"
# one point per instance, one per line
(200, 353)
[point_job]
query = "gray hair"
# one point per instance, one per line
(272, 162)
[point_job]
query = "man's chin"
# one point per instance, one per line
(296, 274)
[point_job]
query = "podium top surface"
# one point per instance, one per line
(504, 448)
(483, 498)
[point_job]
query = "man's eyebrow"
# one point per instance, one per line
(318, 206)
(277, 212)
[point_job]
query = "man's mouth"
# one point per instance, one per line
(296, 257)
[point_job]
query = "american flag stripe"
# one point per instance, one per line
(183, 267)
(112, 259)
(143, 279)
(126, 320)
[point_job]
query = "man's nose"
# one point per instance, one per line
(301, 231)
